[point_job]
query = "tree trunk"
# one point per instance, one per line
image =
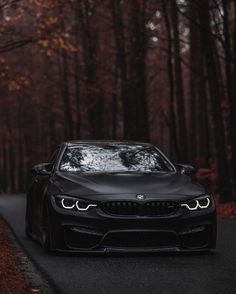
(66, 97)
(179, 92)
(172, 121)
(231, 87)
(213, 82)
(77, 77)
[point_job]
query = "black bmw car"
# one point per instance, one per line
(107, 196)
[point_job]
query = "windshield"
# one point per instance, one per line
(114, 158)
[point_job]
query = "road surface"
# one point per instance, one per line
(131, 273)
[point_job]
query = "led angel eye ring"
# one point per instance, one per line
(197, 205)
(204, 206)
(191, 208)
(84, 208)
(65, 206)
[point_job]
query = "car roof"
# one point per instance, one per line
(103, 142)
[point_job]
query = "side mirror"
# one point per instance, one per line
(42, 169)
(186, 169)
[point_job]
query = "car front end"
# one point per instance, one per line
(131, 222)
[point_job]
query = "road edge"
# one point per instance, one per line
(33, 272)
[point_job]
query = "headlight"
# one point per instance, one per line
(198, 203)
(70, 203)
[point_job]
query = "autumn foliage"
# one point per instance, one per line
(149, 70)
(11, 278)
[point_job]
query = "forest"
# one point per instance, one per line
(160, 71)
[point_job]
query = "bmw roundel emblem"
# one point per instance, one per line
(140, 197)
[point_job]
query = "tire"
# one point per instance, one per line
(27, 224)
(45, 240)
(27, 228)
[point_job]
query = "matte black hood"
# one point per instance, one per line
(153, 185)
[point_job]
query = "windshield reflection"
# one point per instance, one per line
(113, 158)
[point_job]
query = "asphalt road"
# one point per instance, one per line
(131, 273)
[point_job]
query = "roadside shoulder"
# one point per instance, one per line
(18, 273)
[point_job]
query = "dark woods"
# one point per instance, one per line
(149, 70)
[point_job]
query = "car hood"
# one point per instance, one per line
(152, 185)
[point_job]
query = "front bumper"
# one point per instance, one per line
(96, 231)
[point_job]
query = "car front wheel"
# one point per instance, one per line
(45, 239)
